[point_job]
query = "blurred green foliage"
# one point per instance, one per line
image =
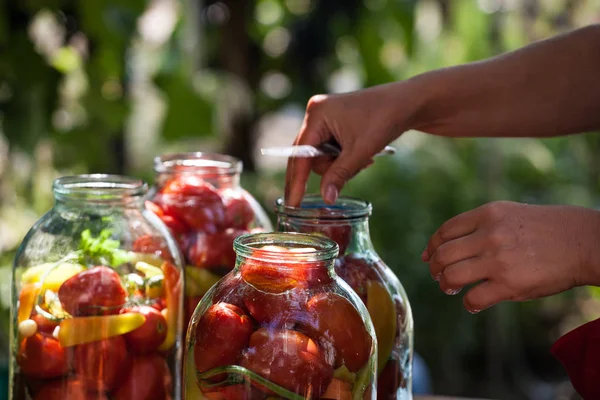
(90, 86)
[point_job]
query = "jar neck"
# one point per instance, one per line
(285, 253)
(346, 222)
(99, 192)
(219, 181)
(221, 171)
(285, 267)
(352, 234)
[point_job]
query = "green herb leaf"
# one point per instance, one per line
(102, 249)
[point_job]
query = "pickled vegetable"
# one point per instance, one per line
(279, 327)
(199, 198)
(83, 328)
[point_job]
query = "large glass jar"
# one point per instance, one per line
(97, 294)
(281, 325)
(347, 222)
(199, 197)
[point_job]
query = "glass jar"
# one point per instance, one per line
(97, 294)
(347, 223)
(199, 197)
(282, 324)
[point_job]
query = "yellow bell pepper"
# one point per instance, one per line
(74, 331)
(155, 287)
(56, 277)
(144, 257)
(198, 281)
(147, 269)
(173, 286)
(29, 293)
(383, 314)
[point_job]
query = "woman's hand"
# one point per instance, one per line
(515, 252)
(362, 122)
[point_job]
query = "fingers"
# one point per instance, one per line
(483, 296)
(336, 176)
(320, 165)
(298, 169)
(454, 251)
(461, 274)
(461, 225)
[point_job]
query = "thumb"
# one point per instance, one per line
(336, 176)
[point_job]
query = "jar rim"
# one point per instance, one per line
(198, 163)
(314, 207)
(324, 248)
(99, 187)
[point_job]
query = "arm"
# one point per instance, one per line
(549, 88)
(546, 89)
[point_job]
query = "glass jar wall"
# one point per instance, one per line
(97, 294)
(347, 223)
(281, 325)
(199, 197)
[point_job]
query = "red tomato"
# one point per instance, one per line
(145, 379)
(279, 276)
(42, 356)
(71, 389)
(210, 250)
(221, 334)
(155, 208)
(191, 200)
(102, 365)
(199, 213)
(277, 309)
(188, 185)
(336, 320)
(95, 291)
(356, 272)
(176, 226)
(238, 211)
(289, 359)
(150, 244)
(159, 304)
(149, 336)
(44, 325)
(341, 233)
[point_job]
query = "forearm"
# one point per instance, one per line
(549, 88)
